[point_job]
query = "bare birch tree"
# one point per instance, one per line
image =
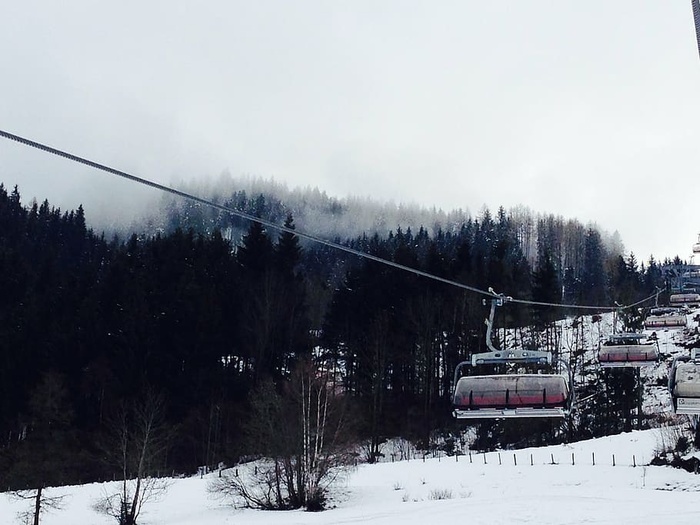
(303, 439)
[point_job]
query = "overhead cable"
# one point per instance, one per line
(324, 242)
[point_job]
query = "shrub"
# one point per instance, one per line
(438, 494)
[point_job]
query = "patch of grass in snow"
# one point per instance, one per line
(438, 494)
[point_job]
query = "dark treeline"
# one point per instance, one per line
(90, 325)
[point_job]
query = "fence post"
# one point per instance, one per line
(634, 460)
(552, 456)
(515, 460)
(593, 456)
(573, 460)
(484, 458)
(470, 456)
(613, 460)
(499, 458)
(532, 462)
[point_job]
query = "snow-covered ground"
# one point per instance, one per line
(565, 484)
(524, 487)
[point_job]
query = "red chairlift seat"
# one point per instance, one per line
(511, 395)
(690, 299)
(665, 321)
(628, 351)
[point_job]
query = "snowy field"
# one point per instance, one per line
(525, 488)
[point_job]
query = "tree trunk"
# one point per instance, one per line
(37, 505)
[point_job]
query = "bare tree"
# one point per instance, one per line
(140, 439)
(303, 439)
(321, 442)
(40, 504)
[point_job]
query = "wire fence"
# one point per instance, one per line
(515, 458)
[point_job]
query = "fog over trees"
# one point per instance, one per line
(352, 217)
(204, 310)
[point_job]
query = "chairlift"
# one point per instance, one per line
(628, 350)
(684, 384)
(665, 317)
(696, 246)
(507, 396)
(684, 299)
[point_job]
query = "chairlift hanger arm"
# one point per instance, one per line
(498, 300)
(496, 355)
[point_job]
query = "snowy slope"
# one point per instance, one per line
(482, 491)
(549, 485)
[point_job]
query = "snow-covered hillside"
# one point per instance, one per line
(601, 481)
(524, 487)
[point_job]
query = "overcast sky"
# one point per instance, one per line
(587, 109)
